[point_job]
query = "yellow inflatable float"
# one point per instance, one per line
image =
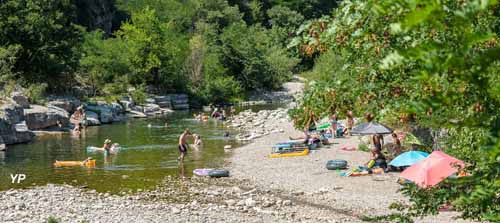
(290, 154)
(87, 163)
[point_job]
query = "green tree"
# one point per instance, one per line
(47, 40)
(308, 8)
(7, 61)
(156, 52)
(249, 55)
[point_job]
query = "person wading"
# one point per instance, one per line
(183, 146)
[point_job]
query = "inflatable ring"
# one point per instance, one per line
(336, 164)
(218, 173)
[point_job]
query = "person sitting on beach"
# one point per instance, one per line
(377, 160)
(323, 138)
(183, 146)
(397, 144)
(226, 133)
(306, 137)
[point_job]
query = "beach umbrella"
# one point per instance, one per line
(371, 128)
(432, 170)
(408, 158)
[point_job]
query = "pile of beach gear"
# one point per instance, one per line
(291, 148)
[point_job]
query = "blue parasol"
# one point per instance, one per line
(408, 158)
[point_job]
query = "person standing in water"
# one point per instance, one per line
(183, 146)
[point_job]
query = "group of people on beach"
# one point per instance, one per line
(377, 159)
(311, 136)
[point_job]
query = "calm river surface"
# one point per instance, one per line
(150, 153)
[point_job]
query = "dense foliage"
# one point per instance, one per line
(40, 40)
(215, 50)
(431, 64)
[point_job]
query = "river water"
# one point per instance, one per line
(149, 154)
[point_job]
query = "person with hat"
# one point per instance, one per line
(107, 145)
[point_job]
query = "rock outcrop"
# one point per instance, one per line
(107, 113)
(40, 117)
(92, 118)
(67, 103)
(12, 127)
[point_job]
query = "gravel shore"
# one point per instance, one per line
(307, 180)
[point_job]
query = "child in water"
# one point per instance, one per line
(197, 140)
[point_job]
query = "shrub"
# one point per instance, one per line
(139, 94)
(36, 93)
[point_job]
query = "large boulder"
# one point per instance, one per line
(67, 103)
(150, 101)
(7, 132)
(12, 134)
(23, 134)
(105, 112)
(180, 101)
(92, 118)
(151, 109)
(40, 117)
(163, 101)
(11, 112)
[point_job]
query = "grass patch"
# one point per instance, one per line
(400, 218)
(52, 219)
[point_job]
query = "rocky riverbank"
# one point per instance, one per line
(253, 125)
(21, 121)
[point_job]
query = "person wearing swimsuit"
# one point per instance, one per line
(183, 146)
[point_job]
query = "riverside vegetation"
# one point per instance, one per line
(430, 65)
(216, 51)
